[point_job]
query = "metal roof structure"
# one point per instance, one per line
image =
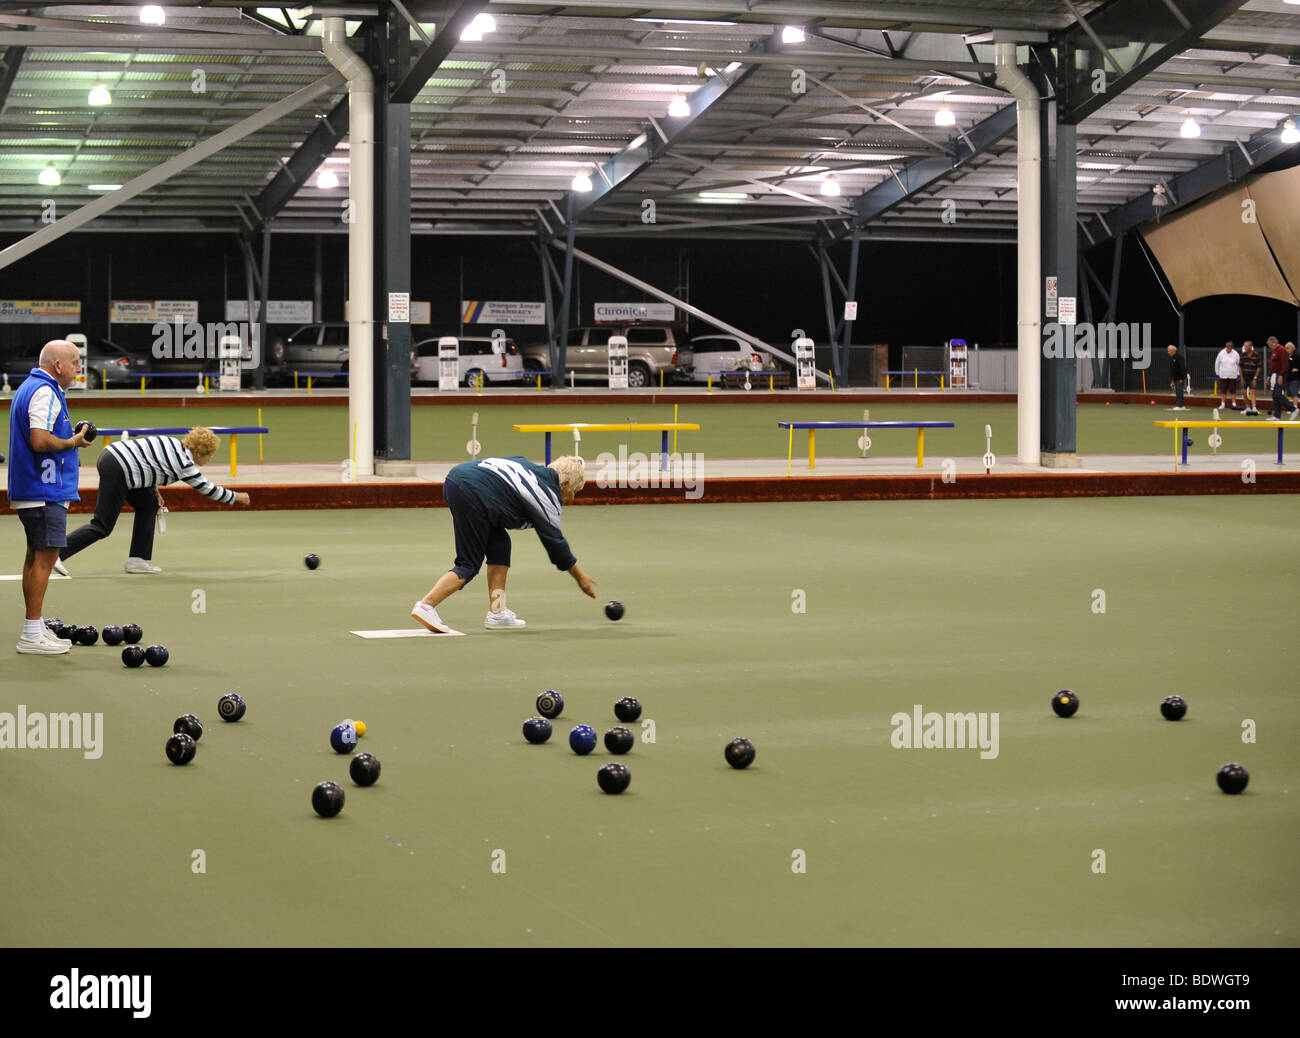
(505, 123)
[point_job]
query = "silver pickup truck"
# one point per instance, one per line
(651, 351)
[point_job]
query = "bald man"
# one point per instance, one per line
(43, 473)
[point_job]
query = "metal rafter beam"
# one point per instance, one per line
(1187, 187)
(432, 57)
(318, 146)
(925, 173)
(13, 58)
(656, 142)
(1184, 23)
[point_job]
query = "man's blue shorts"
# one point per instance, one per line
(47, 526)
(476, 537)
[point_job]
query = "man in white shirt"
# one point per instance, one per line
(1227, 369)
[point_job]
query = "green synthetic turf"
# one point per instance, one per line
(319, 434)
(982, 606)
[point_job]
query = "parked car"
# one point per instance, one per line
(478, 356)
(322, 346)
(108, 364)
(652, 349)
(709, 355)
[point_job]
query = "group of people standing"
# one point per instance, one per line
(1238, 374)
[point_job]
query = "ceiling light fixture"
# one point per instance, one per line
(50, 176)
(678, 108)
(1191, 128)
(99, 94)
(944, 117)
(582, 182)
(481, 24)
(152, 14)
(831, 186)
(1290, 135)
(792, 34)
(327, 180)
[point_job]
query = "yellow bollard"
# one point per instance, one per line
(309, 385)
(1144, 383)
(710, 386)
(539, 383)
(789, 458)
(674, 431)
(916, 378)
(812, 448)
(661, 378)
(770, 386)
(832, 374)
(260, 458)
(942, 387)
(887, 384)
(920, 447)
(234, 453)
(295, 382)
(104, 375)
(142, 385)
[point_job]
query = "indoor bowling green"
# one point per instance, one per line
(805, 627)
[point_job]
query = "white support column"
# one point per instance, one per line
(361, 241)
(1029, 259)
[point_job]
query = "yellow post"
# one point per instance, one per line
(207, 385)
(295, 382)
(539, 383)
(661, 378)
(812, 448)
(887, 384)
(920, 447)
(142, 385)
(770, 386)
(260, 459)
(1144, 381)
(916, 378)
(832, 375)
(234, 452)
(710, 386)
(789, 458)
(942, 387)
(104, 375)
(674, 431)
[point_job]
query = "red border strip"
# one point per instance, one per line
(311, 496)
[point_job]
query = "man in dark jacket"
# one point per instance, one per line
(1250, 365)
(1277, 366)
(1177, 375)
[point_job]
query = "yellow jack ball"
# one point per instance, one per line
(360, 726)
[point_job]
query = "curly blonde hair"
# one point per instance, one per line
(201, 442)
(572, 473)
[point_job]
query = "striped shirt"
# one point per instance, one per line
(155, 461)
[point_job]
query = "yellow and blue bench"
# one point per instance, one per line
(232, 431)
(577, 428)
(812, 428)
(1182, 441)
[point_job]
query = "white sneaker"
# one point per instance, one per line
(1293, 415)
(44, 644)
(502, 621)
(61, 569)
(134, 565)
(428, 616)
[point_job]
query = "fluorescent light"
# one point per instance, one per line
(50, 176)
(792, 34)
(99, 94)
(482, 23)
(723, 194)
(678, 108)
(103, 187)
(327, 180)
(152, 14)
(1290, 135)
(944, 117)
(831, 186)
(1191, 128)
(680, 21)
(582, 182)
